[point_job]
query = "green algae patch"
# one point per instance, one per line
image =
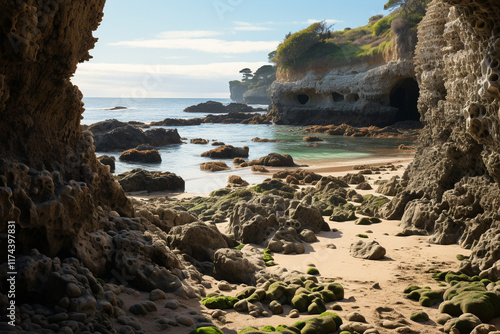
(420, 316)
(471, 297)
(425, 296)
(312, 271)
(221, 302)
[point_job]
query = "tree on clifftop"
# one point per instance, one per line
(293, 47)
(408, 6)
(247, 74)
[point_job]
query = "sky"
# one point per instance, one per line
(193, 48)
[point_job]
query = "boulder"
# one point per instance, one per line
(227, 152)
(199, 141)
(272, 160)
(236, 181)
(209, 107)
(214, 166)
(370, 250)
(312, 139)
(161, 137)
(234, 266)
(390, 188)
(198, 240)
(140, 180)
(309, 217)
(143, 153)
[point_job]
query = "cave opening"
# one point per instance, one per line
(404, 97)
(352, 97)
(303, 98)
(337, 97)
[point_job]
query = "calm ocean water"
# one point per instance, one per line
(184, 159)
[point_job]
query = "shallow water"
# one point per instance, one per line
(184, 159)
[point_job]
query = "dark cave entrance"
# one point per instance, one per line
(404, 96)
(303, 98)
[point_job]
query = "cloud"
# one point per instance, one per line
(208, 45)
(199, 71)
(247, 26)
(179, 34)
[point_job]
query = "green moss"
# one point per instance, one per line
(276, 291)
(440, 275)
(471, 297)
(456, 276)
(271, 264)
(461, 257)
(362, 236)
(300, 302)
(420, 316)
(343, 213)
(240, 247)
(267, 257)
(268, 328)
(337, 307)
(247, 330)
(223, 302)
(375, 220)
(316, 307)
(337, 289)
(425, 296)
(312, 271)
(206, 330)
(220, 192)
(247, 292)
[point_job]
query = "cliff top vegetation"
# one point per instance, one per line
(318, 48)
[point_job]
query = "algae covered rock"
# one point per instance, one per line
(471, 297)
(206, 330)
(425, 296)
(465, 323)
(219, 302)
(419, 316)
(343, 213)
(371, 205)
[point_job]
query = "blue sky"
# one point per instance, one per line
(164, 48)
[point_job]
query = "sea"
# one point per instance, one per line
(185, 159)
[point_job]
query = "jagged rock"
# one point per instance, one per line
(310, 218)
(389, 188)
(142, 153)
(370, 250)
(233, 266)
(140, 179)
(273, 160)
(227, 152)
(214, 166)
(456, 165)
(197, 240)
(108, 161)
(299, 174)
(236, 181)
(112, 135)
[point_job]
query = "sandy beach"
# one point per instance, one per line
(372, 288)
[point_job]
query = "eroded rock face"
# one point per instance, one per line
(359, 96)
(51, 182)
(452, 187)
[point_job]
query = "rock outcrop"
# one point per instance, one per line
(140, 180)
(51, 183)
(452, 187)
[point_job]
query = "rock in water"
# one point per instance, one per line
(143, 153)
(227, 152)
(370, 250)
(140, 179)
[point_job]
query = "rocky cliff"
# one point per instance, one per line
(452, 188)
(371, 90)
(50, 181)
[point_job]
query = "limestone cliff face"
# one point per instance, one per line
(452, 187)
(50, 181)
(380, 90)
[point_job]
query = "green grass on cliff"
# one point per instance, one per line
(350, 46)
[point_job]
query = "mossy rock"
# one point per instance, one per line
(247, 292)
(420, 316)
(371, 205)
(343, 213)
(271, 264)
(312, 271)
(425, 296)
(248, 330)
(239, 247)
(220, 192)
(471, 297)
(337, 289)
(363, 221)
(440, 275)
(268, 328)
(364, 236)
(301, 302)
(316, 307)
(375, 220)
(206, 330)
(337, 307)
(267, 258)
(461, 257)
(457, 276)
(325, 323)
(223, 302)
(309, 284)
(276, 291)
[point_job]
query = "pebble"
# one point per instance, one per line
(376, 286)
(294, 313)
(157, 294)
(224, 286)
(355, 316)
(129, 321)
(172, 304)
(143, 308)
(185, 321)
(218, 313)
(73, 291)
